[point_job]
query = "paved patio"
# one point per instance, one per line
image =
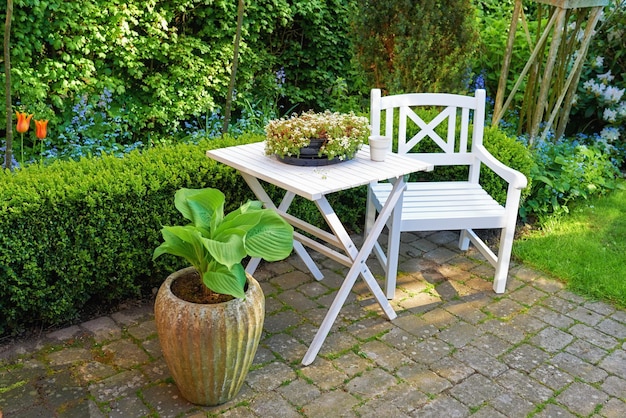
(455, 350)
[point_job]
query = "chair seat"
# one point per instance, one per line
(430, 206)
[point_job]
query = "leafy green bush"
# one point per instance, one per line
(83, 232)
(510, 152)
(494, 20)
(565, 172)
(169, 61)
(408, 46)
(75, 233)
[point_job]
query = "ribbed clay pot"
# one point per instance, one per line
(209, 348)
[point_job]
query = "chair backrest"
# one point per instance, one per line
(455, 114)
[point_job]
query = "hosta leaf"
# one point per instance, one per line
(183, 241)
(227, 282)
(271, 240)
(203, 207)
(228, 252)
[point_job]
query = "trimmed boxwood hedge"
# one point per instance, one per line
(79, 233)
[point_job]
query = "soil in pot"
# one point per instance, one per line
(191, 288)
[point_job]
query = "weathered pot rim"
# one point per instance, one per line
(189, 270)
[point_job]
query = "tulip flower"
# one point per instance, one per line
(23, 123)
(41, 127)
(41, 130)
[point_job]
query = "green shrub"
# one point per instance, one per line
(75, 233)
(566, 172)
(422, 46)
(494, 20)
(83, 232)
(169, 61)
(510, 152)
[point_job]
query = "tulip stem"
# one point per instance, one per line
(22, 150)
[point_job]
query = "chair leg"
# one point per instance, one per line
(393, 252)
(394, 224)
(464, 240)
(504, 259)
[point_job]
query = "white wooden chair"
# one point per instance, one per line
(450, 205)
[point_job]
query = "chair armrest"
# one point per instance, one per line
(510, 175)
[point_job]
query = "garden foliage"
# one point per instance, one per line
(128, 81)
(600, 105)
(565, 172)
(83, 232)
(165, 62)
(78, 233)
(424, 46)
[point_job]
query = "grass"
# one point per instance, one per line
(586, 249)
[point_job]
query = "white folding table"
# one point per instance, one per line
(314, 183)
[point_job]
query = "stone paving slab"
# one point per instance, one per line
(455, 350)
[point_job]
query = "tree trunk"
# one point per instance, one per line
(8, 155)
(233, 73)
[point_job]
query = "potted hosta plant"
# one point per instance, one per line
(316, 138)
(209, 317)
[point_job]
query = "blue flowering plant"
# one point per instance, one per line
(96, 126)
(215, 244)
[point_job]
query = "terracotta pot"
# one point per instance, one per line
(209, 348)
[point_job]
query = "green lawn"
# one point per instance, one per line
(586, 249)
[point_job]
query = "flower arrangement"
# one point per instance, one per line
(342, 134)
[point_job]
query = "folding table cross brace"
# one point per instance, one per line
(315, 183)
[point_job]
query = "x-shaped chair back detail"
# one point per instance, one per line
(455, 125)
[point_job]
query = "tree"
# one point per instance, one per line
(408, 45)
(233, 72)
(8, 157)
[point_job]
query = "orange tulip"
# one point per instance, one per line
(23, 121)
(41, 127)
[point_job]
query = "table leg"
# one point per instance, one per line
(358, 267)
(260, 193)
(351, 250)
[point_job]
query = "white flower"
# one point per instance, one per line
(606, 76)
(621, 110)
(613, 94)
(593, 87)
(609, 115)
(615, 34)
(598, 62)
(610, 134)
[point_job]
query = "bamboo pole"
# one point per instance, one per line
(530, 61)
(534, 79)
(550, 83)
(557, 36)
(570, 86)
(233, 71)
(506, 63)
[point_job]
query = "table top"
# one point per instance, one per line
(314, 182)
